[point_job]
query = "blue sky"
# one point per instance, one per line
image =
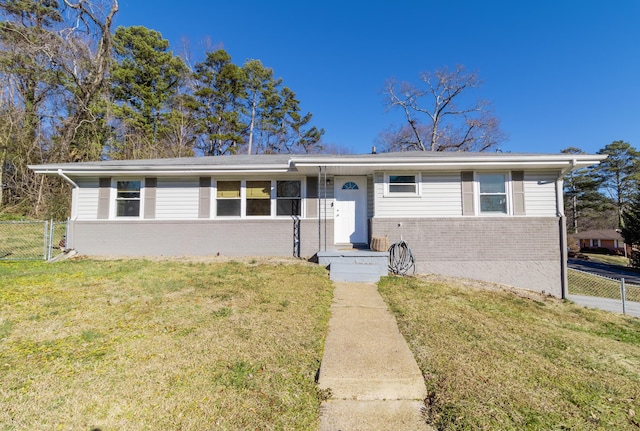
(559, 73)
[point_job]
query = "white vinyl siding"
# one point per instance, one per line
(540, 194)
(86, 203)
(177, 198)
(326, 207)
(440, 196)
(370, 197)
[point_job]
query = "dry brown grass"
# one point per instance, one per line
(495, 359)
(166, 344)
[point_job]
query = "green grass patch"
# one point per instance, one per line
(609, 259)
(149, 345)
(493, 360)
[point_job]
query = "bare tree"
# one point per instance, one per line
(85, 58)
(437, 119)
(54, 59)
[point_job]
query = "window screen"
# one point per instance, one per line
(288, 198)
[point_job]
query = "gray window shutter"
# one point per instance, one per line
(104, 196)
(468, 206)
(204, 203)
(150, 186)
(517, 181)
(312, 197)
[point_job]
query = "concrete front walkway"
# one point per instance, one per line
(373, 379)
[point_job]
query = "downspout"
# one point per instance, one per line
(69, 236)
(319, 210)
(325, 209)
(67, 179)
(563, 229)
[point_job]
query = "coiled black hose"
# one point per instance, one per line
(401, 259)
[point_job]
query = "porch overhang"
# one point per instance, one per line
(366, 164)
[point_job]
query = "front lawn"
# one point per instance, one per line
(608, 259)
(161, 345)
(496, 360)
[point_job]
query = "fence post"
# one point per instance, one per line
(51, 232)
(44, 247)
(623, 294)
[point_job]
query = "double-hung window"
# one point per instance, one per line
(288, 198)
(228, 198)
(403, 184)
(258, 198)
(128, 198)
(493, 193)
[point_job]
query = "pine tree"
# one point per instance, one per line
(145, 78)
(619, 174)
(631, 229)
(220, 90)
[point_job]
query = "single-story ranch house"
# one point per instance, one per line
(599, 240)
(490, 216)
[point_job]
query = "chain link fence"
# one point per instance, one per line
(32, 240)
(587, 284)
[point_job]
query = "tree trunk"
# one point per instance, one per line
(253, 119)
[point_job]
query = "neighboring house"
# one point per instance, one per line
(592, 240)
(488, 216)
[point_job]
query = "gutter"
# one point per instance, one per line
(147, 172)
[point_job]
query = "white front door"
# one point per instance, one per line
(350, 212)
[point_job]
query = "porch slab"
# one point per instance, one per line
(375, 261)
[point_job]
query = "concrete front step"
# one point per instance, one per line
(354, 272)
(353, 415)
(355, 265)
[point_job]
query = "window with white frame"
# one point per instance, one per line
(228, 198)
(288, 198)
(402, 184)
(258, 198)
(128, 197)
(493, 193)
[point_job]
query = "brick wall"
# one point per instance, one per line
(519, 251)
(194, 237)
